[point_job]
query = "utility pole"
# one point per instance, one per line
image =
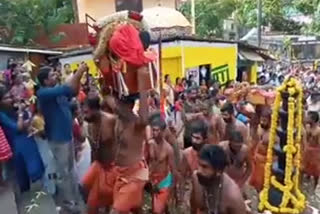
(259, 21)
(193, 17)
(75, 11)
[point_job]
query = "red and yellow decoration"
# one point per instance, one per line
(293, 201)
(122, 47)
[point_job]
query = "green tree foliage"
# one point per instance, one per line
(306, 7)
(24, 18)
(209, 15)
(274, 15)
(310, 8)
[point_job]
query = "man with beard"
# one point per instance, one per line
(191, 108)
(213, 190)
(199, 137)
(101, 138)
(127, 175)
(161, 165)
(231, 123)
(260, 138)
(189, 163)
(312, 147)
(191, 111)
(239, 167)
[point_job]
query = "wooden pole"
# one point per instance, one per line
(193, 17)
(75, 9)
(162, 95)
(160, 62)
(259, 21)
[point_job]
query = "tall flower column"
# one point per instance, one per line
(281, 192)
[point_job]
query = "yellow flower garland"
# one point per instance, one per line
(291, 193)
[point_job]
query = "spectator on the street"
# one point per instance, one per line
(179, 88)
(54, 102)
(27, 160)
(168, 88)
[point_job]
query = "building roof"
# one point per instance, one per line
(254, 53)
(74, 52)
(8, 48)
(191, 38)
(250, 55)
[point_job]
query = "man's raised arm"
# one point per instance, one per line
(74, 81)
(143, 74)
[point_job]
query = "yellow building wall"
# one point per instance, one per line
(172, 66)
(218, 57)
(101, 8)
(254, 73)
(176, 59)
(93, 69)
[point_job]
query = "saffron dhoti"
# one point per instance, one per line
(119, 187)
(160, 199)
(257, 176)
(311, 160)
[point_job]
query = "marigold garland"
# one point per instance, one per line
(292, 194)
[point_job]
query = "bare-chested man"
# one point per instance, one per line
(238, 156)
(199, 137)
(214, 191)
(161, 165)
(191, 111)
(214, 121)
(129, 164)
(312, 147)
(101, 138)
(231, 123)
(128, 172)
(190, 163)
(260, 138)
(167, 134)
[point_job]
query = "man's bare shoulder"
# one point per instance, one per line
(168, 147)
(245, 148)
(187, 150)
(214, 118)
(151, 142)
(109, 116)
(224, 144)
(194, 178)
(231, 190)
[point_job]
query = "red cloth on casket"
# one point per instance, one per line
(125, 43)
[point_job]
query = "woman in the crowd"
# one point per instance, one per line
(184, 83)
(179, 88)
(5, 154)
(27, 161)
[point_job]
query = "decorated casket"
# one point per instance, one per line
(122, 47)
(254, 95)
(261, 97)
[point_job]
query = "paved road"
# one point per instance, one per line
(7, 202)
(45, 203)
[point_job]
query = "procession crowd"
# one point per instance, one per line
(190, 145)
